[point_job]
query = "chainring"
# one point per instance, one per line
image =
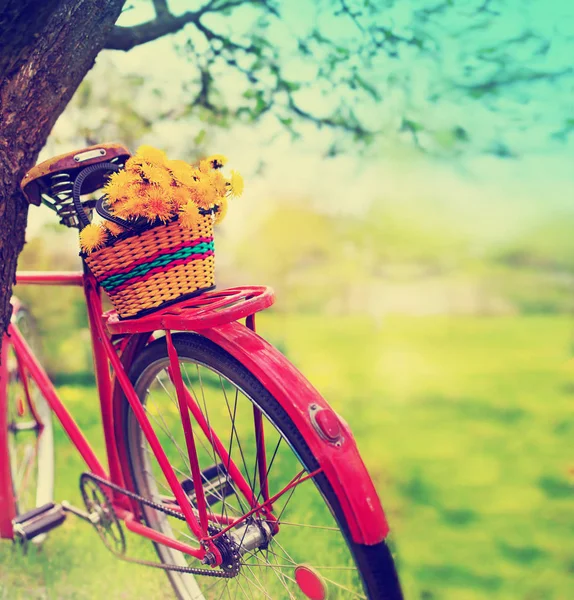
(108, 525)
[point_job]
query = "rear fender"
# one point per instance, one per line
(339, 458)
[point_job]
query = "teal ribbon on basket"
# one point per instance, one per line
(182, 255)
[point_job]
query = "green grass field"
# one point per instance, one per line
(466, 425)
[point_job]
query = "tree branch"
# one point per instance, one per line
(161, 9)
(126, 38)
(336, 123)
(508, 80)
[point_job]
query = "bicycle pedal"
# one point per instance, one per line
(216, 485)
(38, 521)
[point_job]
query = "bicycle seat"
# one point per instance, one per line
(40, 179)
(52, 181)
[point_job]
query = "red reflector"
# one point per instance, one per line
(21, 408)
(310, 583)
(328, 424)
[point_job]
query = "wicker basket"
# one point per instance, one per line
(150, 270)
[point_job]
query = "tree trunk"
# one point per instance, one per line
(47, 49)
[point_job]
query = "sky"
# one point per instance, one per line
(500, 195)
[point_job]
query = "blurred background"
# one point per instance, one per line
(410, 198)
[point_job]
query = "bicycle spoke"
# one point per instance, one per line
(279, 574)
(281, 522)
(234, 431)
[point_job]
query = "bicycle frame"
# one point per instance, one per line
(328, 436)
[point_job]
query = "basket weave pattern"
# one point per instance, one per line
(160, 265)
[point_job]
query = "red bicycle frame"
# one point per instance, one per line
(215, 316)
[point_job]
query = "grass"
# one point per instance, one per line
(465, 425)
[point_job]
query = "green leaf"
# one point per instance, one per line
(198, 139)
(291, 86)
(410, 125)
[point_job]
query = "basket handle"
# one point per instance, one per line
(77, 189)
(103, 211)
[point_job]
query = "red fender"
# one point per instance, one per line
(339, 458)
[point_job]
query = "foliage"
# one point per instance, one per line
(395, 258)
(448, 77)
(549, 245)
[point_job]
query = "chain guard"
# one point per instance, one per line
(229, 551)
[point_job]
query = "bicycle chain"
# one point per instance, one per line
(228, 573)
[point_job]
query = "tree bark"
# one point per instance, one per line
(47, 49)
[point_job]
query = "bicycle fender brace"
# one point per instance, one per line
(338, 457)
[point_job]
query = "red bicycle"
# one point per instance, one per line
(218, 451)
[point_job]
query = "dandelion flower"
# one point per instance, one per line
(189, 215)
(182, 173)
(92, 237)
(221, 210)
(217, 180)
(180, 196)
(131, 208)
(134, 164)
(151, 155)
(235, 184)
(158, 206)
(203, 194)
(156, 175)
(113, 228)
(204, 166)
(217, 161)
(117, 184)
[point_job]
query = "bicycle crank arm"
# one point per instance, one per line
(92, 518)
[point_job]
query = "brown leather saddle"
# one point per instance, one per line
(51, 181)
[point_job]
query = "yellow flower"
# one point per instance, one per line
(203, 194)
(217, 161)
(151, 155)
(130, 208)
(92, 237)
(189, 215)
(158, 206)
(134, 164)
(221, 210)
(180, 196)
(182, 173)
(117, 184)
(113, 228)
(204, 166)
(154, 187)
(156, 175)
(217, 181)
(235, 184)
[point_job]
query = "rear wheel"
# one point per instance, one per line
(30, 434)
(312, 554)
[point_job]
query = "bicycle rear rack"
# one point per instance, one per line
(210, 309)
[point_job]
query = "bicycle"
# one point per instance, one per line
(219, 451)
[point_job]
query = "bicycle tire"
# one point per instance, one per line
(374, 563)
